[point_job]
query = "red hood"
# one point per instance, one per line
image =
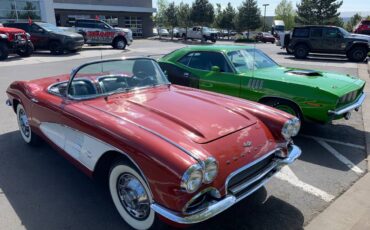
(10, 30)
(173, 109)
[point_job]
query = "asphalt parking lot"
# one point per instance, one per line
(41, 190)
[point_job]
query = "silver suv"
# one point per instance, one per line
(98, 32)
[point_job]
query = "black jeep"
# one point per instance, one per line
(327, 39)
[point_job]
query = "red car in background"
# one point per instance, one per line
(175, 153)
(265, 37)
(13, 40)
(363, 27)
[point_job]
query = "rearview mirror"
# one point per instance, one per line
(215, 69)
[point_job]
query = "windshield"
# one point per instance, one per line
(343, 31)
(250, 59)
(49, 27)
(115, 76)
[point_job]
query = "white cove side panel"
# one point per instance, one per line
(82, 147)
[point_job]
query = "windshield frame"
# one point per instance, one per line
(76, 70)
(344, 32)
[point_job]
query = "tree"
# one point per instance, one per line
(184, 17)
(353, 21)
(170, 17)
(284, 11)
(226, 19)
(319, 12)
(218, 15)
(249, 16)
(202, 12)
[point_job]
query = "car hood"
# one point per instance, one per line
(331, 82)
(173, 110)
(360, 37)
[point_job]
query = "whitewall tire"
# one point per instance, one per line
(24, 127)
(131, 196)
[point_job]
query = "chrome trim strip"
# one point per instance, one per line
(152, 132)
(353, 106)
(259, 176)
(247, 166)
(225, 203)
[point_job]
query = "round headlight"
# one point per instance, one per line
(291, 128)
(192, 178)
(210, 170)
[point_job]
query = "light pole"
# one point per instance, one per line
(264, 17)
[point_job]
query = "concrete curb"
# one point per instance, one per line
(352, 209)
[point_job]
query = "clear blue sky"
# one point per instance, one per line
(348, 5)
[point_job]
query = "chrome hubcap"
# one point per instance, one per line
(120, 44)
(23, 123)
(133, 196)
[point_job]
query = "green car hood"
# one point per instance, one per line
(334, 83)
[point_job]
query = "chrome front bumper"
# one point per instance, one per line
(354, 105)
(227, 201)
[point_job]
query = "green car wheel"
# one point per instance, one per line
(285, 106)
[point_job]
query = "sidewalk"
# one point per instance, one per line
(351, 211)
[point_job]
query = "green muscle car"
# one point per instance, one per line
(246, 72)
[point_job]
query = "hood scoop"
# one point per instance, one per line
(308, 73)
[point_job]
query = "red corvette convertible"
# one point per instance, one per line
(166, 152)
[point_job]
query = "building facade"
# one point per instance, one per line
(133, 14)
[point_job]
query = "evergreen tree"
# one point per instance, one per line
(160, 18)
(202, 12)
(319, 12)
(226, 20)
(249, 16)
(284, 11)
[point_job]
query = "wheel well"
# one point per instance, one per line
(358, 45)
(302, 43)
(15, 104)
(267, 99)
(119, 37)
(102, 167)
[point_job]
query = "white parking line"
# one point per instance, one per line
(334, 141)
(286, 174)
(340, 157)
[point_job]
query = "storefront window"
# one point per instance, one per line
(135, 24)
(11, 10)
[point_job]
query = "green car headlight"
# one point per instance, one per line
(291, 128)
(192, 178)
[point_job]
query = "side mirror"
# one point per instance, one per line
(215, 69)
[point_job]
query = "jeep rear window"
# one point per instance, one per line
(301, 32)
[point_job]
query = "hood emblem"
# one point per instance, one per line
(247, 144)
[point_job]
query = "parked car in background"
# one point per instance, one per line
(201, 33)
(122, 121)
(363, 27)
(265, 37)
(98, 32)
(278, 26)
(46, 36)
(13, 40)
(248, 73)
(177, 32)
(328, 39)
(160, 32)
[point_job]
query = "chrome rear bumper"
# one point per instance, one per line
(354, 105)
(228, 200)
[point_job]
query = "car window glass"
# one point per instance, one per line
(205, 61)
(316, 32)
(35, 28)
(186, 59)
(301, 32)
(250, 59)
(331, 33)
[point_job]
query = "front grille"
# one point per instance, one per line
(349, 98)
(252, 176)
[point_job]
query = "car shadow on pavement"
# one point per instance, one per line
(47, 192)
